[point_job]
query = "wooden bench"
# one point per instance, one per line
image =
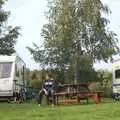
(70, 98)
(76, 98)
(65, 98)
(85, 97)
(75, 93)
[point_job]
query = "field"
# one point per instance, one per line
(27, 111)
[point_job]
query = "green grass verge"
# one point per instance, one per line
(103, 111)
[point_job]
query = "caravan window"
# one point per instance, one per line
(117, 73)
(5, 69)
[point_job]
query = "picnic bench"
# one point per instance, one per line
(73, 94)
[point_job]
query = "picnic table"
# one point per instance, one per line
(76, 96)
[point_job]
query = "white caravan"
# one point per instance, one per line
(116, 79)
(12, 77)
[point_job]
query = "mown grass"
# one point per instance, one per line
(103, 111)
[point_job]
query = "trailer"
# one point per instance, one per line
(116, 79)
(12, 78)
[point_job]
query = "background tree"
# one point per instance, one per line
(35, 77)
(8, 34)
(103, 82)
(105, 78)
(75, 37)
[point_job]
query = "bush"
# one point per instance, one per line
(107, 92)
(95, 86)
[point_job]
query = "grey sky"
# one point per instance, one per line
(29, 14)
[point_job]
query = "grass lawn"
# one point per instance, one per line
(27, 111)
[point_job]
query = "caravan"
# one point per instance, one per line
(116, 79)
(12, 77)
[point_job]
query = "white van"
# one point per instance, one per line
(116, 79)
(12, 77)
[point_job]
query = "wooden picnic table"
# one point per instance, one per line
(65, 97)
(76, 97)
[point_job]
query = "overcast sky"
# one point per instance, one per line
(29, 14)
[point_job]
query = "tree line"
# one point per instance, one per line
(102, 81)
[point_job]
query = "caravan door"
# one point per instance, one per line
(6, 81)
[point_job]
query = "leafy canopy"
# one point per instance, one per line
(8, 34)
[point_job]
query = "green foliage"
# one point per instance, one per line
(103, 82)
(8, 34)
(75, 36)
(105, 78)
(35, 77)
(95, 87)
